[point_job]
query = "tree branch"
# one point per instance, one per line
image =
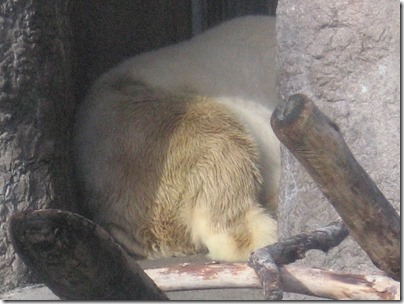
(265, 261)
(308, 281)
(77, 259)
(317, 143)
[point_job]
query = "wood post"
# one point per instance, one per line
(317, 143)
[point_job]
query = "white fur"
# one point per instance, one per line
(234, 65)
(236, 59)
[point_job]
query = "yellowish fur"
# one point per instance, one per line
(179, 168)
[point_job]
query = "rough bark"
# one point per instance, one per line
(49, 53)
(317, 143)
(36, 109)
(266, 261)
(345, 56)
(77, 259)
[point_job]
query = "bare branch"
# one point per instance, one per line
(294, 248)
(308, 281)
(265, 261)
(77, 259)
(319, 146)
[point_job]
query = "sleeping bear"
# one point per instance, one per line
(174, 149)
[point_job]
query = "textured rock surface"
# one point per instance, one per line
(49, 53)
(345, 55)
(36, 107)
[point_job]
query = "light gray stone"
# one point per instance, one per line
(345, 55)
(32, 292)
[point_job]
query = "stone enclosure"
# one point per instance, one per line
(344, 55)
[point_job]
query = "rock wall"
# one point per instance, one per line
(345, 55)
(36, 108)
(50, 52)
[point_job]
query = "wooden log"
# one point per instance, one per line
(268, 273)
(265, 261)
(77, 259)
(308, 281)
(337, 285)
(317, 143)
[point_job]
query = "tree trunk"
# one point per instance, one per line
(36, 114)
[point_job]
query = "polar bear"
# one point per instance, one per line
(174, 147)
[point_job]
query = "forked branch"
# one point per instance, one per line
(265, 261)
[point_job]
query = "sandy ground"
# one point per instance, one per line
(41, 292)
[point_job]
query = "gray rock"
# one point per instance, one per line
(36, 108)
(32, 292)
(345, 55)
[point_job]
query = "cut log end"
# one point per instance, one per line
(319, 146)
(289, 111)
(77, 259)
